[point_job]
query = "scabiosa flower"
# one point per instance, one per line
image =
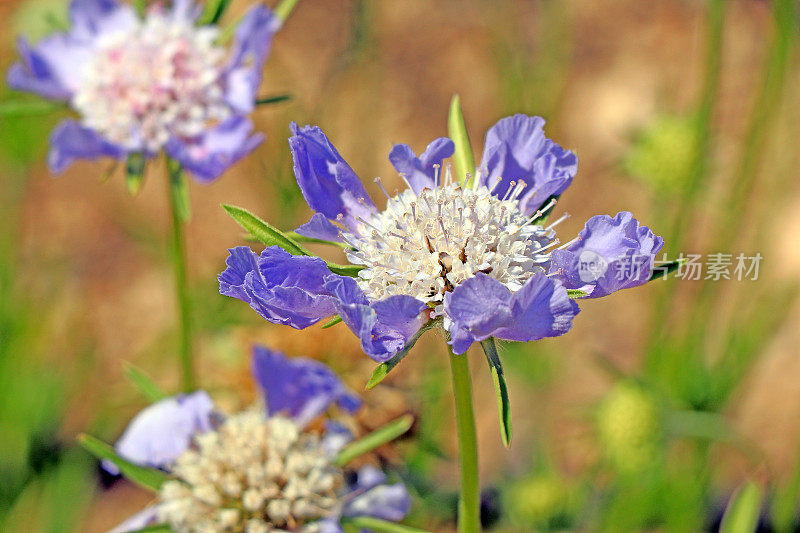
(260, 470)
(142, 85)
(479, 257)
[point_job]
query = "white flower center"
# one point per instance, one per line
(253, 474)
(158, 79)
(426, 245)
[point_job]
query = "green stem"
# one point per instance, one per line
(469, 520)
(178, 257)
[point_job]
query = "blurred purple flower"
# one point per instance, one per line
(479, 258)
(300, 388)
(141, 86)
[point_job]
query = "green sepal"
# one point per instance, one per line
(383, 369)
(13, 108)
(542, 219)
(369, 523)
(143, 382)
(743, 511)
(134, 173)
(269, 100)
(457, 130)
(269, 235)
(576, 293)
(501, 389)
(373, 440)
(155, 528)
(284, 9)
(212, 12)
(332, 322)
(179, 190)
(148, 478)
(663, 271)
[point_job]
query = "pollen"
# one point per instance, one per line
(253, 474)
(424, 245)
(159, 79)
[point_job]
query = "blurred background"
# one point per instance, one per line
(647, 416)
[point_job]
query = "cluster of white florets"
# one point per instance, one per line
(424, 245)
(254, 474)
(160, 78)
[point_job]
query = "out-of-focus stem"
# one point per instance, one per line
(469, 520)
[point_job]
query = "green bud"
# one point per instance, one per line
(629, 427)
(663, 154)
(541, 501)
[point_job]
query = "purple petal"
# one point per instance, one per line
(210, 154)
(51, 69)
(283, 288)
(320, 227)
(91, 18)
(251, 46)
(610, 254)
(420, 171)
(160, 433)
(516, 149)
(383, 327)
(71, 141)
(300, 387)
(375, 499)
(483, 307)
(327, 182)
(139, 521)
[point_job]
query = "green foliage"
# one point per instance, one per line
(147, 478)
(663, 154)
(741, 515)
(457, 130)
(377, 438)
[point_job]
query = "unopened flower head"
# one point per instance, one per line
(160, 77)
(252, 474)
(629, 427)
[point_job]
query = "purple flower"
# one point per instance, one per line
(189, 97)
(479, 259)
(188, 438)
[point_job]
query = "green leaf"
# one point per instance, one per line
(369, 523)
(457, 130)
(332, 322)
(263, 231)
(155, 528)
(345, 270)
(134, 173)
(12, 108)
(269, 100)
(576, 293)
(744, 508)
(148, 478)
(383, 369)
(499, 380)
(284, 9)
(302, 238)
(179, 190)
(143, 382)
(662, 271)
(373, 440)
(212, 12)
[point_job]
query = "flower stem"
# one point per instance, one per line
(178, 258)
(469, 520)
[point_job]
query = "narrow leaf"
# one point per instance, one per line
(179, 190)
(743, 511)
(383, 369)
(148, 478)
(576, 293)
(369, 523)
(269, 100)
(499, 380)
(155, 528)
(662, 271)
(302, 238)
(263, 231)
(332, 322)
(141, 7)
(134, 173)
(373, 440)
(12, 108)
(284, 9)
(212, 12)
(345, 270)
(144, 383)
(457, 130)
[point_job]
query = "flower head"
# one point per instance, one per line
(142, 85)
(261, 469)
(477, 256)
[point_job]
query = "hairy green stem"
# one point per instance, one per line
(469, 520)
(178, 258)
